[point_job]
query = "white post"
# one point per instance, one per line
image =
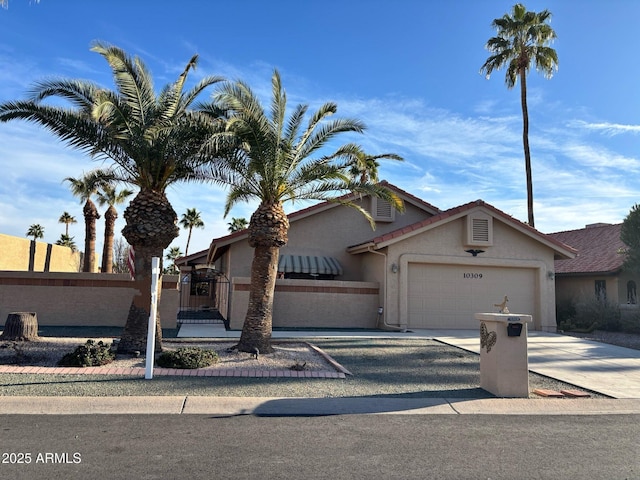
(151, 333)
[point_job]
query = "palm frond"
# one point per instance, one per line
(132, 79)
(81, 94)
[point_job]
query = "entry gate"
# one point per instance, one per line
(204, 297)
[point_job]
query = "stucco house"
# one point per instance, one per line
(597, 269)
(424, 268)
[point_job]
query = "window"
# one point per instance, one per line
(479, 230)
(382, 211)
(601, 290)
(632, 296)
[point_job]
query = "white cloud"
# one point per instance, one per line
(607, 128)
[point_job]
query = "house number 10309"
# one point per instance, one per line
(471, 275)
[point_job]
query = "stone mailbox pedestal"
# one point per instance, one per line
(504, 364)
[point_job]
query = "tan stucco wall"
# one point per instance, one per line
(444, 245)
(313, 303)
(327, 233)
(93, 299)
(15, 252)
(580, 288)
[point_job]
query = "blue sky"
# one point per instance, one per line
(408, 68)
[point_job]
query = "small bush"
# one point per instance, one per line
(595, 313)
(188, 357)
(90, 354)
(565, 314)
(630, 323)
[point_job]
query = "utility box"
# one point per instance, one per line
(504, 362)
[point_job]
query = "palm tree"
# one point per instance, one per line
(108, 195)
(84, 188)
(67, 219)
(365, 167)
(272, 163)
(67, 241)
(191, 219)
(237, 224)
(173, 254)
(522, 39)
(152, 140)
(36, 231)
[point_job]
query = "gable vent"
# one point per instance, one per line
(381, 210)
(479, 230)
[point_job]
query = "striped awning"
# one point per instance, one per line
(309, 264)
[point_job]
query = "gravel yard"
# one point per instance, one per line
(46, 352)
(380, 367)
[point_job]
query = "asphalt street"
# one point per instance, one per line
(320, 447)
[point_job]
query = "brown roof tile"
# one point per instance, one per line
(227, 239)
(597, 247)
(461, 209)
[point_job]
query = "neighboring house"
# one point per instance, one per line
(423, 268)
(597, 270)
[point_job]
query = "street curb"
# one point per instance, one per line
(298, 406)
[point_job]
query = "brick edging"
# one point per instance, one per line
(197, 372)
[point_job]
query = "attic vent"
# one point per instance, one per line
(381, 210)
(479, 231)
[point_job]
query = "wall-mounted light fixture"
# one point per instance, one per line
(551, 275)
(394, 268)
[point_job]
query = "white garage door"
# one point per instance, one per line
(447, 296)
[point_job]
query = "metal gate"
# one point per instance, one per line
(204, 297)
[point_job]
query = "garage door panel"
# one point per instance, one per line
(447, 296)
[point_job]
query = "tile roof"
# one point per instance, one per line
(459, 211)
(240, 234)
(597, 245)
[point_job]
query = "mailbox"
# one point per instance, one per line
(504, 366)
(514, 329)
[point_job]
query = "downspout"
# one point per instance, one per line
(384, 293)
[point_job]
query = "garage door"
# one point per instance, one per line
(447, 296)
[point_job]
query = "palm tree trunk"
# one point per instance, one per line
(134, 335)
(186, 250)
(107, 252)
(91, 214)
(151, 227)
(256, 331)
(525, 143)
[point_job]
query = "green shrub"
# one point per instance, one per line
(90, 354)
(188, 357)
(597, 313)
(565, 314)
(630, 323)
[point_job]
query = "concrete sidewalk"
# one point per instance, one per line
(287, 406)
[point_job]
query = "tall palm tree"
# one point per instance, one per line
(84, 188)
(272, 163)
(173, 254)
(237, 224)
(365, 167)
(522, 40)
(190, 219)
(108, 195)
(67, 219)
(36, 231)
(152, 140)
